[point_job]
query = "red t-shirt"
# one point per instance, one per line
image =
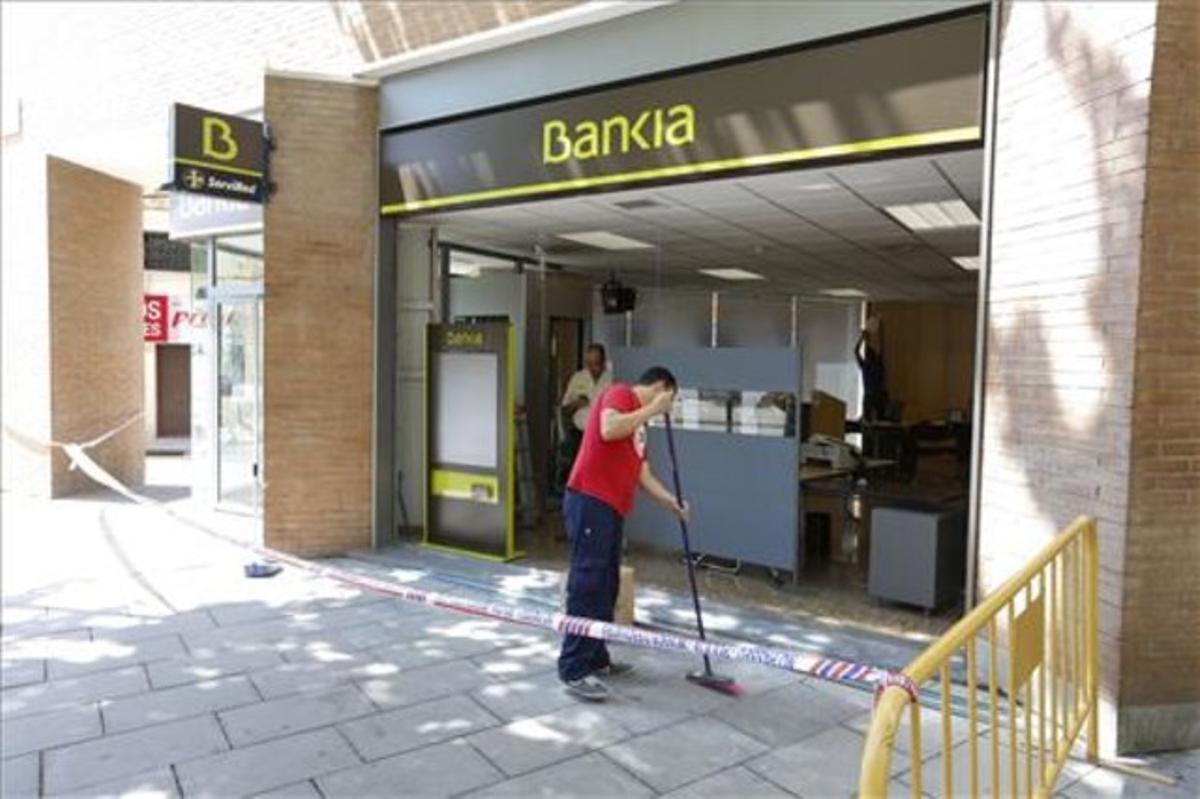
(609, 470)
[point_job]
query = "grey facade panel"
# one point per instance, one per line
(666, 38)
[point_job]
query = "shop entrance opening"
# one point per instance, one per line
(830, 268)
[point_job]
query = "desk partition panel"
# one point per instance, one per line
(735, 426)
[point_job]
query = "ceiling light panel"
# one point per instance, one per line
(731, 274)
(606, 241)
(946, 215)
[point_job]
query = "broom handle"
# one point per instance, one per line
(687, 545)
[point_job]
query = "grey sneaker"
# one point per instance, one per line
(587, 688)
(616, 668)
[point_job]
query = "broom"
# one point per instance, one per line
(705, 677)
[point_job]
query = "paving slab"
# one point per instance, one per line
(825, 764)
(1184, 767)
(843, 692)
(752, 678)
(524, 698)
(368, 636)
(397, 731)
(587, 775)
(295, 678)
(645, 703)
(86, 657)
(931, 772)
(19, 777)
(444, 769)
(733, 782)
(141, 628)
(45, 697)
(534, 743)
(439, 642)
(424, 683)
(674, 756)
(272, 632)
(280, 717)
(182, 702)
(299, 790)
(33, 733)
(126, 754)
(517, 662)
(264, 766)
(786, 715)
(45, 646)
(931, 733)
(158, 784)
(14, 673)
(209, 665)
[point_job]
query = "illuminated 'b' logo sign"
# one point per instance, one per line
(217, 139)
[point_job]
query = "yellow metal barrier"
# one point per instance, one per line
(1034, 714)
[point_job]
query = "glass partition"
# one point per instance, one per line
(736, 412)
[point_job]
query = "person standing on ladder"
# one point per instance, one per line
(600, 492)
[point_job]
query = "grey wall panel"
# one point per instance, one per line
(609, 330)
(416, 295)
(754, 321)
(672, 319)
(664, 38)
(743, 491)
(752, 368)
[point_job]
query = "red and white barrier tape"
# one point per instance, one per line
(830, 669)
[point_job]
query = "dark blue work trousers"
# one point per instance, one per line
(594, 533)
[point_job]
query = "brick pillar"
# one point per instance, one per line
(1160, 647)
(319, 266)
(1074, 229)
(96, 350)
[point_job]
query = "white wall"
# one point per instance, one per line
(827, 333)
(494, 293)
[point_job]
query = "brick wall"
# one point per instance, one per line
(96, 369)
(1073, 114)
(1160, 691)
(319, 289)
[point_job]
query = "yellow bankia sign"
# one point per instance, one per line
(652, 129)
(889, 91)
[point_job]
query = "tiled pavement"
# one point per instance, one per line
(138, 661)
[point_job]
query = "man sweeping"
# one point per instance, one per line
(608, 470)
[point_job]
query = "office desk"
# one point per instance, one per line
(874, 495)
(826, 490)
(812, 472)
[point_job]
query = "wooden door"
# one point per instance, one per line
(173, 390)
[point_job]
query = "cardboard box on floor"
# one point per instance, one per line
(623, 614)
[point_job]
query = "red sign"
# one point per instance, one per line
(155, 308)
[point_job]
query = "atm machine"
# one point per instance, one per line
(469, 439)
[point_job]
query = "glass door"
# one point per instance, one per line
(239, 402)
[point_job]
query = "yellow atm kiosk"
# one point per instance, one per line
(469, 406)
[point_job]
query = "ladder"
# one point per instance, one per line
(527, 513)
